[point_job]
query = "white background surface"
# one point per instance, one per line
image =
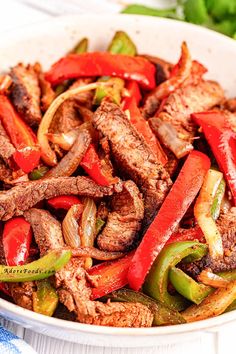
(17, 13)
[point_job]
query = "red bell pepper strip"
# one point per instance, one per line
(193, 234)
(22, 137)
(16, 239)
(133, 91)
(113, 275)
(177, 202)
(103, 64)
(222, 140)
(142, 126)
(93, 167)
(131, 103)
(63, 202)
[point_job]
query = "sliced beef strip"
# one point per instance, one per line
(186, 100)
(21, 198)
(71, 282)
(84, 98)
(227, 227)
(5, 172)
(133, 156)
(124, 221)
(6, 147)
(25, 93)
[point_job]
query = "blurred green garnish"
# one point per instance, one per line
(218, 15)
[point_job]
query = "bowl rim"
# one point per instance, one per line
(13, 309)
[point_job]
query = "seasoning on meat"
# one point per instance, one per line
(133, 156)
(5, 172)
(22, 197)
(71, 282)
(184, 101)
(124, 221)
(6, 147)
(25, 93)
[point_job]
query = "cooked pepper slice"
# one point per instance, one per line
(215, 209)
(122, 44)
(112, 275)
(38, 173)
(22, 137)
(213, 305)
(157, 280)
(202, 213)
(163, 315)
(140, 123)
(103, 64)
(37, 270)
(131, 91)
(16, 239)
(63, 202)
(222, 140)
(93, 167)
(188, 287)
(193, 234)
(80, 47)
(113, 91)
(45, 299)
(181, 195)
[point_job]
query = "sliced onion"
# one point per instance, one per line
(70, 162)
(64, 140)
(70, 226)
(208, 278)
(202, 213)
(168, 135)
(47, 154)
(183, 72)
(88, 226)
(96, 253)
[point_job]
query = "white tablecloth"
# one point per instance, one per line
(17, 13)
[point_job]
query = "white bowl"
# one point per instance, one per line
(46, 43)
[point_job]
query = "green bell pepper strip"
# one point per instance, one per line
(80, 47)
(45, 299)
(215, 209)
(188, 287)
(99, 225)
(42, 268)
(121, 43)
(114, 91)
(163, 315)
(157, 280)
(38, 173)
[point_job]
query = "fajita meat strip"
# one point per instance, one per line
(6, 147)
(25, 93)
(124, 221)
(180, 105)
(71, 282)
(21, 198)
(133, 156)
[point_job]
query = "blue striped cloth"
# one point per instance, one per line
(11, 344)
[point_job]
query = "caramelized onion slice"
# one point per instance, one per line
(70, 226)
(47, 154)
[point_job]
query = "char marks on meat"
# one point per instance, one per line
(186, 100)
(124, 221)
(47, 230)
(133, 156)
(6, 147)
(71, 282)
(21, 198)
(25, 93)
